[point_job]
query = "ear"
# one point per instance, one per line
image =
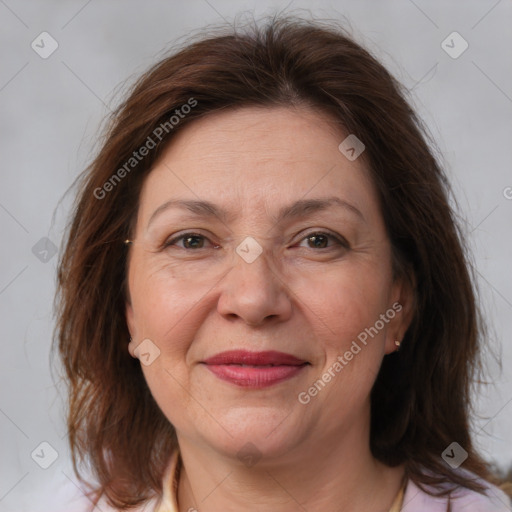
(130, 320)
(403, 304)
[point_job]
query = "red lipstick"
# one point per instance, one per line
(255, 369)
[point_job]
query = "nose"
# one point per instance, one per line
(254, 292)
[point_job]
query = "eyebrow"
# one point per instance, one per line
(299, 208)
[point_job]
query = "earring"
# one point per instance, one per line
(397, 343)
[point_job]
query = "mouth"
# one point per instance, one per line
(255, 369)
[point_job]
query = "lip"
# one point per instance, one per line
(269, 357)
(255, 369)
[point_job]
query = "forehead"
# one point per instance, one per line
(256, 136)
(257, 157)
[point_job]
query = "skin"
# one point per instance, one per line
(296, 297)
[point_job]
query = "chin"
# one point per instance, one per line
(269, 433)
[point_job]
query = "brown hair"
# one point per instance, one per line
(419, 403)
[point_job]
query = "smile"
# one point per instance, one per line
(255, 369)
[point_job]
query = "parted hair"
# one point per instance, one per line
(420, 402)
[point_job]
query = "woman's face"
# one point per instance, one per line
(288, 261)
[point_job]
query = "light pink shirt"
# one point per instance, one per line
(462, 500)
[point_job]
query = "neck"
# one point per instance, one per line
(336, 475)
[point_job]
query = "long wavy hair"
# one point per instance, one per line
(420, 402)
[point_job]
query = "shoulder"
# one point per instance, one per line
(494, 500)
(73, 498)
(148, 506)
(461, 500)
(151, 505)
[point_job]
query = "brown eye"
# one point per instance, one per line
(190, 241)
(320, 240)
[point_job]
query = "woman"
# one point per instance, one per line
(265, 302)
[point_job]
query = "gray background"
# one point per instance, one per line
(50, 113)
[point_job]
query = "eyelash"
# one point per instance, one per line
(338, 239)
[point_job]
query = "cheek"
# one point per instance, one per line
(165, 312)
(351, 348)
(345, 303)
(167, 387)
(163, 303)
